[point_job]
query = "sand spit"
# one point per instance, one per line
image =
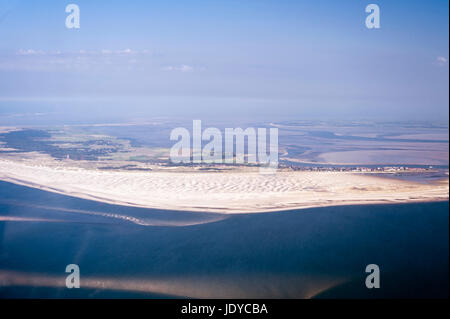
(229, 192)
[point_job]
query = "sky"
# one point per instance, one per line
(268, 59)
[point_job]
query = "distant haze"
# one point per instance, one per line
(251, 59)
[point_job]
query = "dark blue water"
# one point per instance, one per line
(320, 252)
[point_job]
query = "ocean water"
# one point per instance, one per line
(134, 252)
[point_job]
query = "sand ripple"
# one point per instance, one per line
(230, 192)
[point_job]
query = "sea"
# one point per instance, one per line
(130, 252)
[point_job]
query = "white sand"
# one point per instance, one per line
(230, 192)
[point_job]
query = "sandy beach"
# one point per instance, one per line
(229, 192)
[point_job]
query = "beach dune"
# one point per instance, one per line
(221, 192)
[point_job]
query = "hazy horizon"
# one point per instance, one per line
(268, 59)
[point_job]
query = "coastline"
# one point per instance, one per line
(225, 193)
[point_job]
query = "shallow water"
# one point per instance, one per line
(136, 252)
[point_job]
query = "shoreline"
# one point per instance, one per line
(286, 210)
(225, 193)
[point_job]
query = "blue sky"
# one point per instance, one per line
(293, 59)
